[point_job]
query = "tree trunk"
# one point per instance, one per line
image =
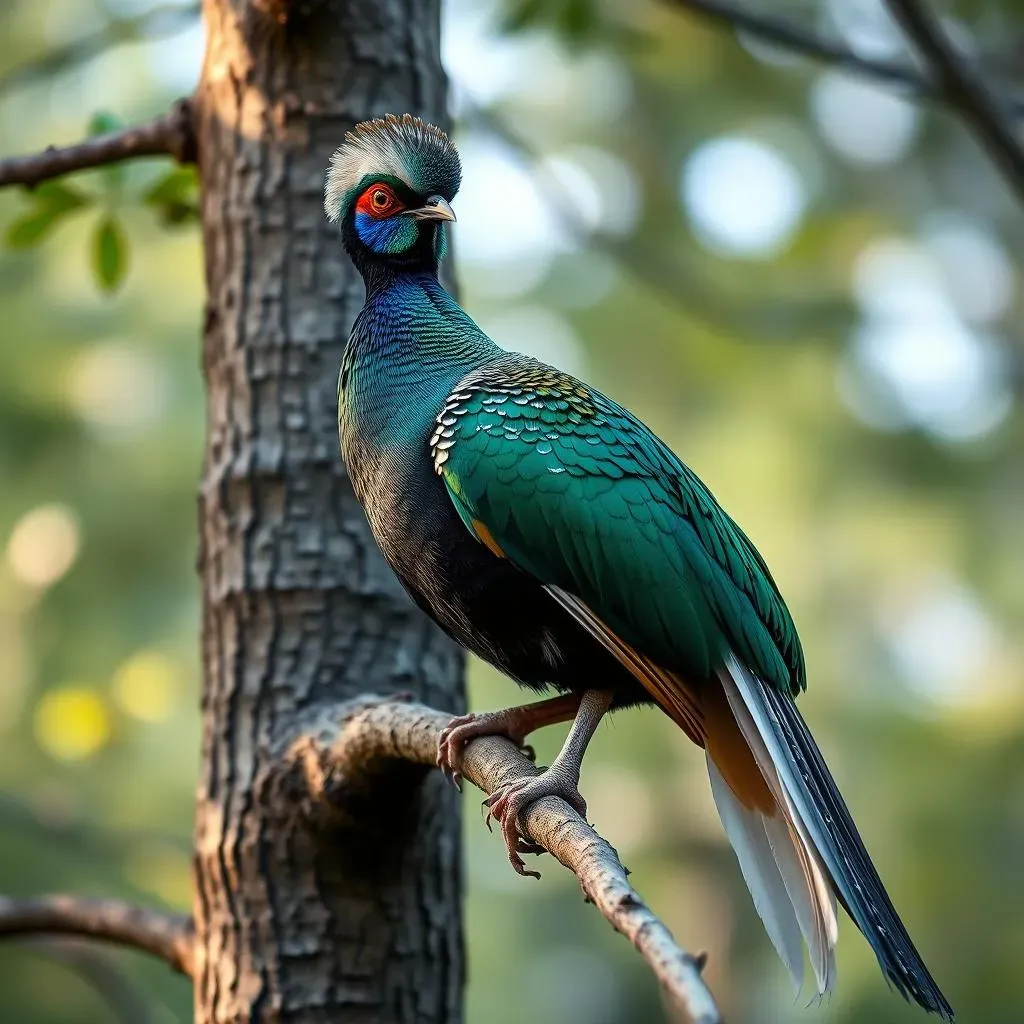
(296, 921)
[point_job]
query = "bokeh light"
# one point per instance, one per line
(861, 121)
(72, 723)
(44, 544)
(117, 387)
(743, 197)
(940, 373)
(145, 684)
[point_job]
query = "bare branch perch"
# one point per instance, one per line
(372, 733)
(167, 936)
(171, 134)
(962, 88)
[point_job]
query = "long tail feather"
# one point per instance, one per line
(749, 839)
(782, 870)
(789, 758)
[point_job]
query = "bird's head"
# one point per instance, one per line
(389, 186)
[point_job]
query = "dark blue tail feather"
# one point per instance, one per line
(854, 876)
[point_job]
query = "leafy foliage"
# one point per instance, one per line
(173, 197)
(109, 253)
(52, 201)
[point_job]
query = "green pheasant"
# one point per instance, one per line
(550, 532)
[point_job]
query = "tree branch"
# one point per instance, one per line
(171, 134)
(791, 36)
(346, 752)
(962, 88)
(167, 936)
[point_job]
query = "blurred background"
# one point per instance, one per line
(806, 282)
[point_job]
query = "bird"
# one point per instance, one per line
(550, 532)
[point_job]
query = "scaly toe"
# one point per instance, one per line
(497, 802)
(459, 731)
(506, 804)
(512, 840)
(454, 736)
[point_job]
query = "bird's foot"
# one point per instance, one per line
(507, 803)
(463, 728)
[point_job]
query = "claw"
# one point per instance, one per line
(458, 732)
(506, 804)
(525, 846)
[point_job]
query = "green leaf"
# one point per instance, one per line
(109, 254)
(176, 186)
(173, 196)
(103, 122)
(31, 229)
(51, 201)
(59, 198)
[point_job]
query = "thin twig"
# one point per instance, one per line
(364, 736)
(790, 36)
(156, 23)
(962, 88)
(171, 134)
(164, 935)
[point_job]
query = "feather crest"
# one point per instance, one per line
(407, 148)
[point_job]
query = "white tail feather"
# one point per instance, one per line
(812, 898)
(761, 871)
(792, 855)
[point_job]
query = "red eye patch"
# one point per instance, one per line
(379, 201)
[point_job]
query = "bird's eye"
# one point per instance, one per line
(379, 200)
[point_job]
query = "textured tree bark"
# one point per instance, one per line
(294, 920)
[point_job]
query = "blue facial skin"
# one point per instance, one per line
(389, 236)
(393, 235)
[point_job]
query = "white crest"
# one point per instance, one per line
(403, 147)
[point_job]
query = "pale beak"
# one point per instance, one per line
(435, 208)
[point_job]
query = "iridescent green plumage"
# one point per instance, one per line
(579, 493)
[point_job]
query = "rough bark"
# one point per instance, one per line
(296, 922)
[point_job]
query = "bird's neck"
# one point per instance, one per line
(383, 277)
(408, 317)
(410, 345)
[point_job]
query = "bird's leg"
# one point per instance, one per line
(562, 778)
(515, 723)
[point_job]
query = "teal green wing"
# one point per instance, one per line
(578, 493)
